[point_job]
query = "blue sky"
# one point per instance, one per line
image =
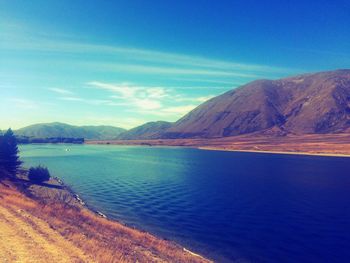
(124, 63)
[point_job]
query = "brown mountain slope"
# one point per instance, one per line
(311, 103)
(149, 130)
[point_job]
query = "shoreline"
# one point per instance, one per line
(210, 148)
(331, 145)
(275, 152)
(81, 204)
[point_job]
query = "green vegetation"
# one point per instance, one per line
(38, 174)
(9, 158)
(27, 140)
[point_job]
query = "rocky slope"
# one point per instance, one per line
(305, 104)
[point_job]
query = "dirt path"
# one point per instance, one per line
(26, 238)
(33, 231)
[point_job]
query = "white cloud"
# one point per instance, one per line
(88, 101)
(98, 102)
(157, 93)
(146, 104)
(162, 62)
(204, 80)
(170, 113)
(143, 98)
(165, 70)
(124, 90)
(138, 97)
(71, 98)
(61, 91)
(179, 110)
(149, 100)
(204, 98)
(181, 98)
(77, 56)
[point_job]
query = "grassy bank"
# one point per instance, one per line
(307, 144)
(46, 229)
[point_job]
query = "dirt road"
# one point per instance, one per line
(33, 231)
(26, 238)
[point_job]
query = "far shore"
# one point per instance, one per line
(332, 145)
(276, 152)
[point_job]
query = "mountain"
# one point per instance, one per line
(56, 129)
(149, 130)
(317, 103)
(304, 104)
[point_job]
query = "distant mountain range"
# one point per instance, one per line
(149, 130)
(56, 129)
(316, 103)
(311, 103)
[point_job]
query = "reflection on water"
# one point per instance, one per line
(226, 205)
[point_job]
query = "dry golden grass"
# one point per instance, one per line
(35, 231)
(322, 144)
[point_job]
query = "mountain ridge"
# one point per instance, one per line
(58, 129)
(303, 104)
(311, 103)
(146, 131)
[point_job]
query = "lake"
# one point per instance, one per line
(229, 206)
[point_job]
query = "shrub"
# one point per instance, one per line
(39, 174)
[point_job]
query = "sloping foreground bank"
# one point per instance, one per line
(34, 231)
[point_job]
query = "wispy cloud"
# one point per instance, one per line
(130, 59)
(166, 70)
(61, 46)
(146, 104)
(135, 96)
(170, 113)
(123, 89)
(149, 100)
(61, 91)
(87, 101)
(71, 98)
(204, 80)
(200, 99)
(179, 110)
(169, 83)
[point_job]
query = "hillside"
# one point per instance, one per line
(316, 103)
(149, 130)
(306, 104)
(56, 129)
(53, 230)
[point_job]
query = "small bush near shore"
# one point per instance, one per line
(39, 174)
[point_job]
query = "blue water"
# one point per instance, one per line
(229, 206)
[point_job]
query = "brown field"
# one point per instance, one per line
(52, 231)
(325, 144)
